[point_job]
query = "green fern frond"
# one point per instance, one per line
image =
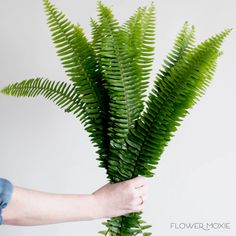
(76, 54)
(63, 94)
(173, 94)
(114, 66)
(119, 76)
(141, 39)
(78, 58)
(96, 39)
(184, 43)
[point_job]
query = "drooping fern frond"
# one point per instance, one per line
(60, 92)
(78, 58)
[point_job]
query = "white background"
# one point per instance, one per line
(46, 149)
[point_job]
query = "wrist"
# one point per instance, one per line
(98, 208)
(86, 207)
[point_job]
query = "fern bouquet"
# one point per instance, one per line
(108, 80)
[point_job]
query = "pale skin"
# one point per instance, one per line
(30, 207)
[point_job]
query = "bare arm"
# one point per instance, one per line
(30, 207)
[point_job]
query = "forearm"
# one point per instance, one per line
(30, 207)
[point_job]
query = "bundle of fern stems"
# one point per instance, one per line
(108, 80)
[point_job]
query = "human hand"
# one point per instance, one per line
(121, 198)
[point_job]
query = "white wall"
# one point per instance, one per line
(45, 149)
